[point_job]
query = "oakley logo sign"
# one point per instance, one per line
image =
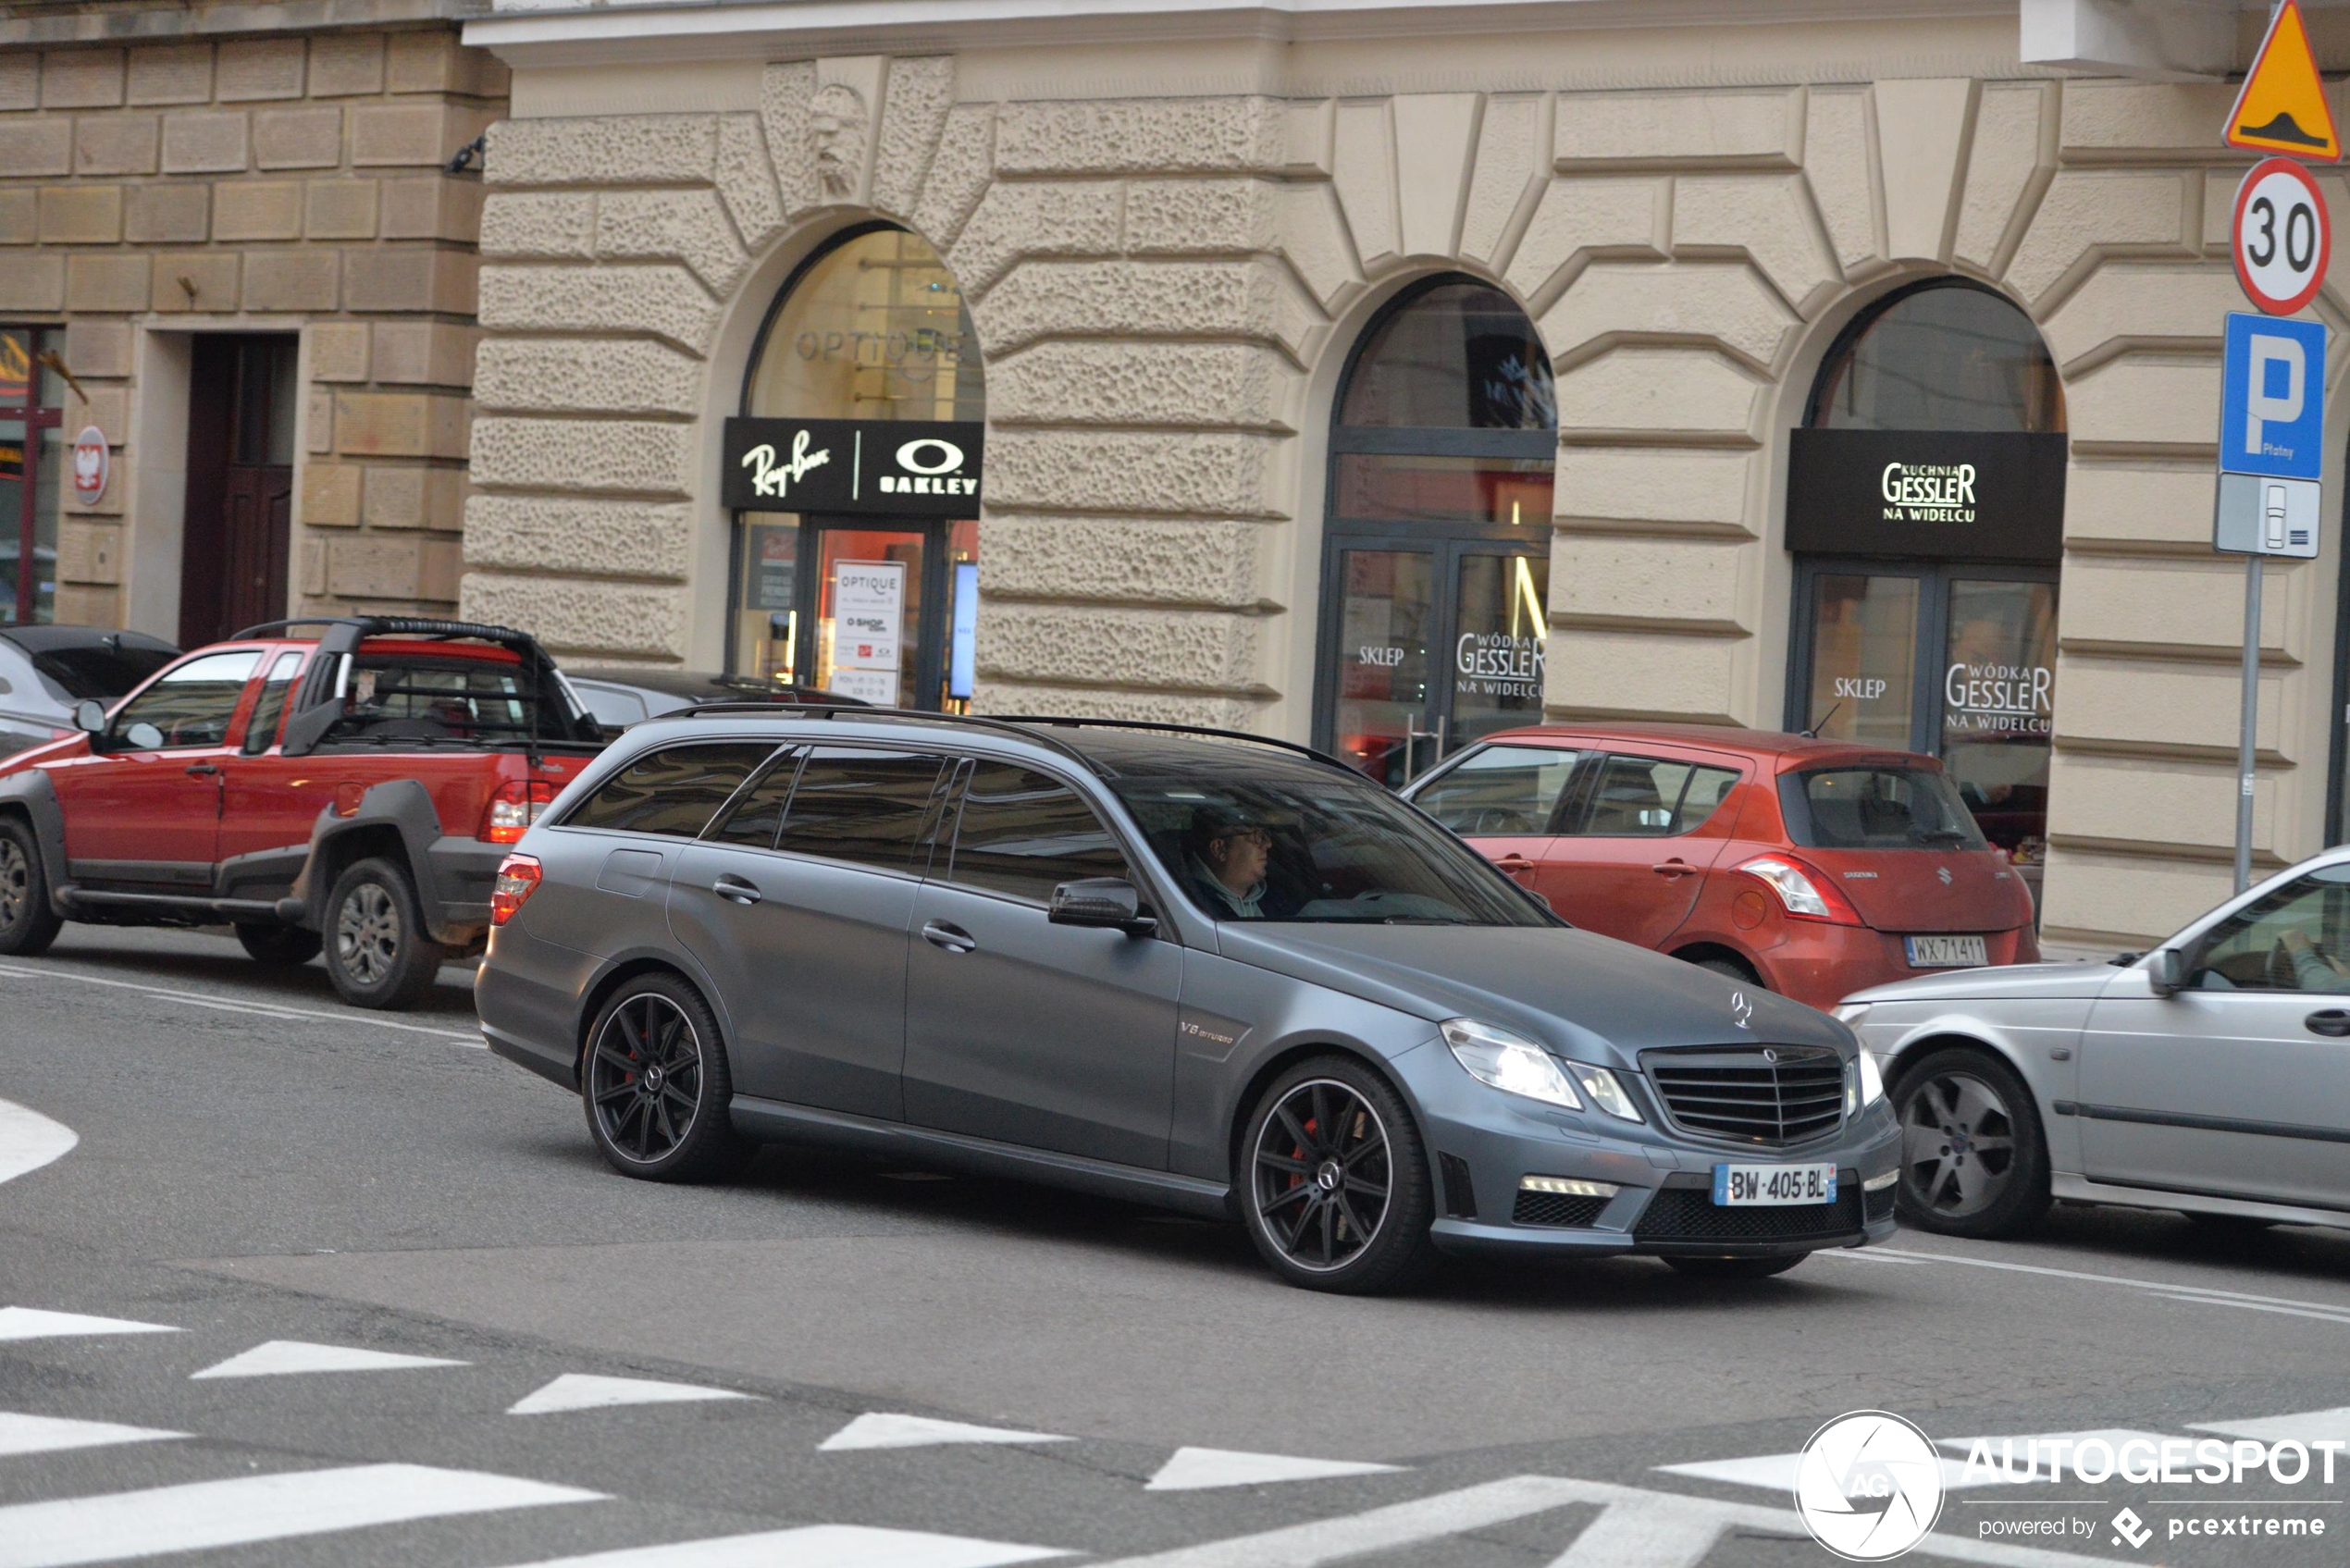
(931, 467)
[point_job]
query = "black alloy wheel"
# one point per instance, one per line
(1337, 1187)
(656, 1086)
(1972, 1160)
(27, 921)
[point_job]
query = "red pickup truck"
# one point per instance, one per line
(355, 790)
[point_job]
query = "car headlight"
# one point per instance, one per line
(1850, 1014)
(1864, 1084)
(1509, 1062)
(1606, 1091)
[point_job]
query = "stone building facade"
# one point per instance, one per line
(178, 178)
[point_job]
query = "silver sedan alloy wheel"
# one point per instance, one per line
(1958, 1145)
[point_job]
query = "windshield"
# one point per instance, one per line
(1316, 849)
(100, 670)
(1876, 807)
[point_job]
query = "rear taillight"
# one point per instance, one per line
(1804, 892)
(514, 808)
(517, 880)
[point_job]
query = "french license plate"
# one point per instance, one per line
(1743, 1186)
(1946, 952)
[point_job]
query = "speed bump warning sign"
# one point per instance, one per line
(2282, 107)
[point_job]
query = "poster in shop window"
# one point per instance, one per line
(869, 621)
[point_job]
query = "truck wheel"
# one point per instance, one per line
(378, 954)
(280, 948)
(28, 923)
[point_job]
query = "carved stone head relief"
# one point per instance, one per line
(837, 121)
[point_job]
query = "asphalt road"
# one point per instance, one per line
(251, 1163)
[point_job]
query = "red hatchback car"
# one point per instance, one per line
(1815, 867)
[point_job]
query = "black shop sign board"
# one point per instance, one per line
(896, 467)
(1935, 495)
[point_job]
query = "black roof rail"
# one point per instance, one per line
(398, 624)
(1156, 727)
(860, 712)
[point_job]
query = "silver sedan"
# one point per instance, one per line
(2210, 1075)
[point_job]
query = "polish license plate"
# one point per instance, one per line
(1946, 952)
(1745, 1186)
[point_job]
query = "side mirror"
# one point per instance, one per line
(89, 716)
(2166, 971)
(1103, 904)
(307, 728)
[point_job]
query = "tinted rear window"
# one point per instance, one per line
(673, 791)
(870, 808)
(99, 669)
(1877, 808)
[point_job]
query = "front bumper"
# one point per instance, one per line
(1483, 1143)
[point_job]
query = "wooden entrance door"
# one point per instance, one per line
(237, 533)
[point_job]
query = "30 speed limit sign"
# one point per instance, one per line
(2282, 237)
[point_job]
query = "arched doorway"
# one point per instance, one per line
(1437, 547)
(1925, 506)
(869, 391)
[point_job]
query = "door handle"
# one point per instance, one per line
(954, 939)
(2335, 1021)
(1514, 865)
(198, 768)
(735, 889)
(1674, 868)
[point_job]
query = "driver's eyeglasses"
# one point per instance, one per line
(1261, 837)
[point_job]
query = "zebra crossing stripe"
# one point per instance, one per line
(52, 1433)
(206, 1514)
(817, 1545)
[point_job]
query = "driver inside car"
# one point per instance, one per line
(1228, 858)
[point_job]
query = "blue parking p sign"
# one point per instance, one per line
(2273, 398)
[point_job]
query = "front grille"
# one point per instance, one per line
(1556, 1208)
(1735, 1092)
(1690, 1213)
(1879, 1203)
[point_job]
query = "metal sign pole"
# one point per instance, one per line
(2247, 735)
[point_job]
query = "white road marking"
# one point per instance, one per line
(880, 1430)
(207, 1514)
(33, 1323)
(2203, 1293)
(1198, 1469)
(28, 1140)
(53, 1433)
(241, 1005)
(1775, 1472)
(816, 1546)
(581, 1391)
(280, 1358)
(1671, 1530)
(2307, 1427)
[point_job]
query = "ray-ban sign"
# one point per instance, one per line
(902, 467)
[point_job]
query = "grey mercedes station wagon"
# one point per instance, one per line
(1206, 972)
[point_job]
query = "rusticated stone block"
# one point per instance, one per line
(407, 135)
(204, 142)
(1016, 219)
(588, 456)
(116, 143)
(1221, 474)
(19, 223)
(1128, 561)
(261, 67)
(2007, 157)
(90, 552)
(1510, 157)
(410, 279)
(256, 209)
(308, 137)
(1126, 299)
(435, 62)
(171, 73)
(33, 282)
(437, 353)
(1084, 645)
(291, 279)
(665, 301)
(1722, 301)
(400, 424)
(105, 282)
(960, 172)
(81, 79)
(175, 214)
(578, 618)
(363, 566)
(83, 604)
(914, 111)
(784, 93)
(1746, 127)
(339, 209)
(533, 224)
(346, 64)
(432, 207)
(210, 280)
(318, 434)
(82, 215)
(1178, 384)
(35, 147)
(1765, 218)
(98, 348)
(747, 181)
(1177, 217)
(330, 495)
(993, 696)
(606, 150)
(573, 536)
(586, 376)
(1140, 136)
(2087, 212)
(688, 226)
(19, 83)
(338, 350)
(1576, 219)
(407, 496)
(1609, 486)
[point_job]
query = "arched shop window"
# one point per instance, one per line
(1925, 506)
(854, 475)
(34, 458)
(1437, 550)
